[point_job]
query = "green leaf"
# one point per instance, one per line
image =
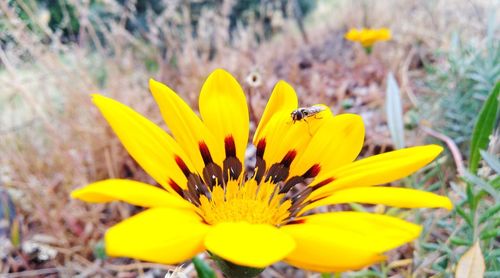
(465, 216)
(489, 234)
(203, 269)
(460, 241)
(394, 112)
(483, 185)
(489, 213)
(484, 127)
(492, 161)
(469, 191)
(100, 251)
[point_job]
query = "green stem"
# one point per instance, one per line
(231, 270)
(368, 49)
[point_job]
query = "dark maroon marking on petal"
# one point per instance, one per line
(301, 206)
(298, 201)
(176, 187)
(212, 175)
(312, 172)
(277, 172)
(288, 159)
(182, 166)
(205, 153)
(195, 184)
(261, 147)
(260, 166)
(296, 221)
(196, 187)
(291, 182)
(229, 146)
(193, 198)
(232, 168)
(301, 196)
(323, 183)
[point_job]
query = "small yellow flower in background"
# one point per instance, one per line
(208, 202)
(368, 37)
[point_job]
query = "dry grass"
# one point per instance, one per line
(53, 140)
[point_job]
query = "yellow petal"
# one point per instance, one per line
(337, 142)
(224, 110)
(186, 127)
(147, 143)
(161, 235)
(384, 34)
(374, 232)
(353, 35)
(285, 139)
(253, 245)
(283, 98)
(390, 196)
(132, 192)
(378, 169)
(327, 249)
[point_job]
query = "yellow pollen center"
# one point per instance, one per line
(249, 202)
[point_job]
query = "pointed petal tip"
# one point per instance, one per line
(101, 100)
(75, 194)
(418, 230)
(447, 203)
(152, 82)
(155, 86)
(432, 150)
(97, 97)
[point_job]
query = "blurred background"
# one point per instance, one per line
(444, 57)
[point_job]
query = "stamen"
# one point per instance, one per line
(251, 202)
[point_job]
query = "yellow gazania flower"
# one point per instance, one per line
(367, 37)
(209, 202)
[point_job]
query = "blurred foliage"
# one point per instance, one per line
(462, 85)
(63, 15)
(60, 16)
(476, 216)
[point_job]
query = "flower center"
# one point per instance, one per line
(250, 202)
